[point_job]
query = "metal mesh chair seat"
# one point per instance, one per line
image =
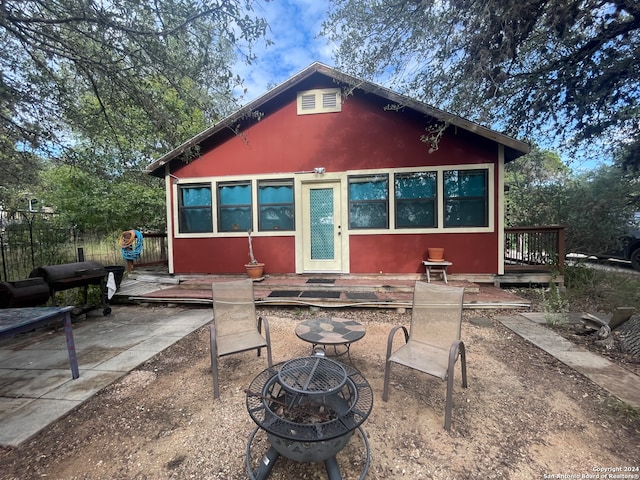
(235, 327)
(432, 344)
(430, 359)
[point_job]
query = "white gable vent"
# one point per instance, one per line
(319, 101)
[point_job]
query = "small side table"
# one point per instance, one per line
(436, 267)
(336, 332)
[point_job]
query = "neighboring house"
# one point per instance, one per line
(332, 175)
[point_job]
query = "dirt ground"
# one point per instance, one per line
(524, 416)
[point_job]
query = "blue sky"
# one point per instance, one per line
(293, 26)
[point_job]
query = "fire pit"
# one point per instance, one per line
(309, 408)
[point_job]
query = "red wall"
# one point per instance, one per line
(362, 136)
(228, 255)
(470, 253)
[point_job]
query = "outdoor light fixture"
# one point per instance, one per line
(175, 179)
(316, 170)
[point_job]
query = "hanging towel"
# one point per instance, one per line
(111, 285)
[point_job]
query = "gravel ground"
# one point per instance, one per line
(524, 416)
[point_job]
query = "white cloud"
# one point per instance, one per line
(293, 28)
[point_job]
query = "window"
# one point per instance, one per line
(234, 207)
(369, 201)
(194, 209)
(415, 196)
(319, 101)
(466, 198)
(275, 205)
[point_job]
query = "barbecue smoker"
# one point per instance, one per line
(74, 275)
(309, 408)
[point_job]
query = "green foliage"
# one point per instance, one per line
(85, 201)
(594, 207)
(563, 68)
(586, 290)
(554, 305)
(590, 289)
(129, 138)
(143, 66)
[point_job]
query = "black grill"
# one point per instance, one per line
(74, 275)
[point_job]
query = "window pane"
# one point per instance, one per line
(195, 196)
(415, 214)
(275, 205)
(239, 194)
(466, 198)
(466, 213)
(196, 220)
(415, 199)
(369, 201)
(416, 185)
(235, 219)
(368, 215)
(368, 188)
(234, 204)
(465, 183)
(194, 209)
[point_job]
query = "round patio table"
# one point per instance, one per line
(338, 333)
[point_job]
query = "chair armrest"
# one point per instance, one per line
(457, 349)
(265, 321)
(392, 334)
(267, 334)
(212, 334)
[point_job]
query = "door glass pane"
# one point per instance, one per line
(321, 217)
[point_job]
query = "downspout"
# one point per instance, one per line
(170, 191)
(500, 230)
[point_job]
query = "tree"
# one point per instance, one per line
(595, 207)
(88, 202)
(563, 68)
(55, 53)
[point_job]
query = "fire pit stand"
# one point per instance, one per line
(309, 408)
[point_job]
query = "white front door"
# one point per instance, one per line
(321, 227)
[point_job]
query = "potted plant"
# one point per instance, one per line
(254, 268)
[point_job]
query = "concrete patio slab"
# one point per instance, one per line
(616, 380)
(36, 387)
(21, 424)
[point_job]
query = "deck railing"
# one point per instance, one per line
(531, 249)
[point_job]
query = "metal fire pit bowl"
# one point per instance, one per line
(309, 408)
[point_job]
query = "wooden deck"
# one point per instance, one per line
(316, 290)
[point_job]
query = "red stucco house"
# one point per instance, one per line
(332, 175)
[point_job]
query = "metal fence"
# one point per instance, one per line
(28, 245)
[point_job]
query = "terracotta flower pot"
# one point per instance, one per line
(255, 270)
(435, 254)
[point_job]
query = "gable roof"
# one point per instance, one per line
(513, 148)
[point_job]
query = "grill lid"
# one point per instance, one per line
(312, 376)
